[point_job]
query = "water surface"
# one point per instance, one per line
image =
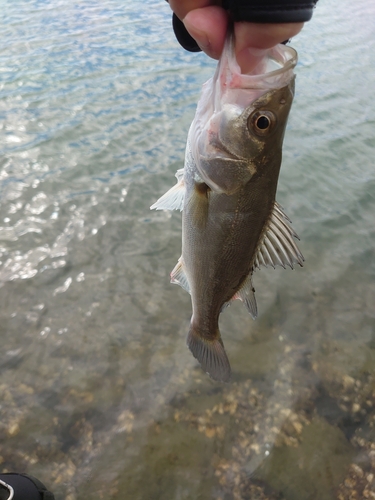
(99, 397)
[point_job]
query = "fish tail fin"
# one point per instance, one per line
(210, 353)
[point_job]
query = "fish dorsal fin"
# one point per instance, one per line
(277, 246)
(174, 198)
(178, 276)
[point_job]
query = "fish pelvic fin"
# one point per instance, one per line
(174, 198)
(178, 276)
(210, 353)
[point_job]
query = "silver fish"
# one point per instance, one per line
(231, 223)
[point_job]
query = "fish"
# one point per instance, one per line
(231, 222)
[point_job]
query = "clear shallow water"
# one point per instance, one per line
(99, 397)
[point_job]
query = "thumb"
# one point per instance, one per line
(208, 26)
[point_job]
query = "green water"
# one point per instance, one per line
(99, 396)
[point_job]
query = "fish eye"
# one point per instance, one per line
(261, 122)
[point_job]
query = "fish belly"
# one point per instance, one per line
(220, 237)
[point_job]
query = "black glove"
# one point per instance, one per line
(253, 11)
(271, 11)
(24, 487)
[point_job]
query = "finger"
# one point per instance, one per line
(263, 36)
(208, 26)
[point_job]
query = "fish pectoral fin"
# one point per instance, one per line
(224, 175)
(210, 353)
(178, 276)
(277, 246)
(174, 198)
(247, 295)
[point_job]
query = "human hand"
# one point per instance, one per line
(207, 24)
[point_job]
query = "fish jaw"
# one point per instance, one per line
(230, 87)
(274, 71)
(232, 148)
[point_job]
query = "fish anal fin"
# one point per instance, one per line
(210, 353)
(174, 198)
(247, 295)
(178, 276)
(277, 245)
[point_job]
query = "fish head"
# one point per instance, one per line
(242, 144)
(241, 119)
(259, 130)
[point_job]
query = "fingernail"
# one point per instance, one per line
(199, 36)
